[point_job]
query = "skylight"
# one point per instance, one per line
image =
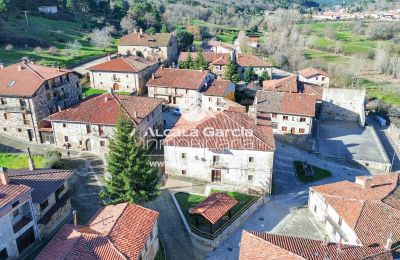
(11, 83)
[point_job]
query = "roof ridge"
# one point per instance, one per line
(122, 107)
(123, 58)
(218, 199)
(116, 220)
(34, 71)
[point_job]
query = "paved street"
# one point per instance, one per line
(82, 69)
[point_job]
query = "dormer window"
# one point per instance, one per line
(11, 83)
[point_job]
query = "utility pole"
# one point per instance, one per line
(26, 18)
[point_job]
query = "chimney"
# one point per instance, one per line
(135, 30)
(325, 241)
(134, 114)
(1, 66)
(32, 62)
(75, 218)
(30, 160)
(106, 98)
(389, 243)
(153, 76)
(162, 66)
(141, 31)
(4, 179)
(364, 181)
(108, 57)
(58, 68)
(19, 68)
(111, 91)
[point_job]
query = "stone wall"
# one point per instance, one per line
(343, 104)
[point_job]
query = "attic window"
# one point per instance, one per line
(11, 83)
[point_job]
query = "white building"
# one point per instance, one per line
(179, 87)
(90, 124)
(127, 74)
(314, 76)
(221, 47)
(290, 113)
(157, 47)
(259, 65)
(362, 213)
(225, 149)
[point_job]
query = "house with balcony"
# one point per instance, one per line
(289, 113)
(127, 74)
(362, 213)
(179, 87)
(122, 231)
(314, 76)
(33, 204)
(217, 62)
(89, 124)
(29, 93)
(228, 150)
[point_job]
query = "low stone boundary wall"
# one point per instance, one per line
(204, 242)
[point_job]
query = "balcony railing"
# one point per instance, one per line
(21, 223)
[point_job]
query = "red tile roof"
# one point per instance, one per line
(259, 245)
(24, 79)
(217, 88)
(313, 90)
(210, 57)
(11, 192)
(288, 84)
(130, 64)
(365, 209)
(247, 60)
(105, 109)
(127, 228)
(214, 207)
(247, 136)
(178, 78)
(137, 39)
(312, 72)
(286, 103)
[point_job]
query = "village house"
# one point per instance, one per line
(290, 113)
(267, 246)
(29, 93)
(127, 74)
(179, 87)
(259, 65)
(119, 232)
(33, 204)
(286, 84)
(157, 47)
(221, 47)
(89, 125)
(217, 62)
(228, 150)
(365, 212)
(219, 96)
(314, 76)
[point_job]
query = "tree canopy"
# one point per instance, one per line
(184, 39)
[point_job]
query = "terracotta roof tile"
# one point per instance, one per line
(210, 57)
(24, 79)
(247, 60)
(313, 90)
(43, 181)
(288, 84)
(130, 64)
(259, 245)
(312, 72)
(214, 207)
(217, 88)
(11, 192)
(155, 40)
(178, 78)
(105, 109)
(286, 103)
(250, 137)
(128, 227)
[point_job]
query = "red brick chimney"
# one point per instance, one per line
(4, 179)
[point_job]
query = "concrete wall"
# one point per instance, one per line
(317, 80)
(343, 104)
(234, 165)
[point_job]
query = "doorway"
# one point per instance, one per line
(88, 145)
(116, 86)
(216, 176)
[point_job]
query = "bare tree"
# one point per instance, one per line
(382, 57)
(101, 38)
(128, 24)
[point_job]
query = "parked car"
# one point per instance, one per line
(176, 112)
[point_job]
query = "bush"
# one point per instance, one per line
(53, 160)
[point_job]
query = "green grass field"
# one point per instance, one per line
(227, 34)
(319, 173)
(20, 161)
(56, 33)
(87, 92)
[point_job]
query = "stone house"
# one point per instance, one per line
(225, 149)
(127, 74)
(157, 47)
(364, 212)
(314, 76)
(121, 232)
(29, 93)
(89, 125)
(36, 202)
(248, 60)
(217, 62)
(218, 96)
(179, 87)
(290, 113)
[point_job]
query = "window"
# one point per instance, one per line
(216, 159)
(16, 213)
(5, 129)
(316, 78)
(301, 130)
(315, 208)
(101, 130)
(22, 102)
(127, 75)
(209, 99)
(302, 119)
(19, 130)
(273, 115)
(216, 175)
(6, 116)
(102, 143)
(250, 177)
(66, 139)
(284, 128)
(88, 130)
(44, 205)
(183, 155)
(64, 125)
(183, 172)
(251, 159)
(48, 96)
(59, 191)
(3, 254)
(25, 240)
(15, 204)
(323, 78)
(3, 101)
(285, 118)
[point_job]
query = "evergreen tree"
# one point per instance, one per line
(265, 76)
(188, 63)
(3, 5)
(133, 179)
(249, 74)
(70, 5)
(231, 71)
(200, 62)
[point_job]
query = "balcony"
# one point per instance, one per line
(219, 165)
(13, 109)
(17, 226)
(117, 79)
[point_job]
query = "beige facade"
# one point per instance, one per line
(319, 80)
(291, 124)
